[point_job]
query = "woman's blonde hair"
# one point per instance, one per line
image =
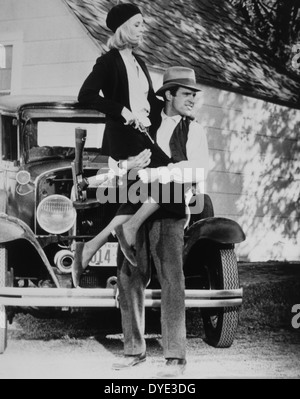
(123, 38)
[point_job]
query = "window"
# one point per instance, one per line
(9, 142)
(6, 52)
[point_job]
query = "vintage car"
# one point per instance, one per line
(49, 146)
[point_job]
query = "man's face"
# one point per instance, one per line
(182, 103)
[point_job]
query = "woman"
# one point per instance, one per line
(131, 107)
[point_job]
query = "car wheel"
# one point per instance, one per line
(220, 324)
(3, 313)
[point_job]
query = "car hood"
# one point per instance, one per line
(36, 169)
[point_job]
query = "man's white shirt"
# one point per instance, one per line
(195, 169)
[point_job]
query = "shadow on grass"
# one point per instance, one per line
(49, 324)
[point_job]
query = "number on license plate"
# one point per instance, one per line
(106, 256)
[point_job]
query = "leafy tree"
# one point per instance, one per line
(277, 22)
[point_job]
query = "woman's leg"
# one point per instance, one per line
(88, 250)
(131, 226)
(84, 252)
(130, 223)
(92, 246)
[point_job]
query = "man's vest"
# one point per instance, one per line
(177, 142)
(179, 139)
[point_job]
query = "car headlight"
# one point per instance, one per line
(23, 177)
(56, 214)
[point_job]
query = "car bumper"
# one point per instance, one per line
(109, 297)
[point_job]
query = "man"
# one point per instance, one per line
(162, 237)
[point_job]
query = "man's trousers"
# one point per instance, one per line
(163, 241)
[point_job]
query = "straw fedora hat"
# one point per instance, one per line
(179, 76)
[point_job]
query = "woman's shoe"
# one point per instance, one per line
(77, 268)
(127, 250)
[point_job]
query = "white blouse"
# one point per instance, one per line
(138, 88)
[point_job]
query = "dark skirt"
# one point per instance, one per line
(120, 142)
(170, 198)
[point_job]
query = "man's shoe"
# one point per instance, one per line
(129, 361)
(127, 250)
(77, 268)
(173, 368)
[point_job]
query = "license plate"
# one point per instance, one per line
(106, 256)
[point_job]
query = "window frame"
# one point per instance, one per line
(5, 46)
(14, 39)
(14, 139)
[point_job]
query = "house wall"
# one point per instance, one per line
(255, 171)
(52, 52)
(254, 145)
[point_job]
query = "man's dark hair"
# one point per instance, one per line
(173, 90)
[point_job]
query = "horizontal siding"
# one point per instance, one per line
(254, 175)
(44, 29)
(238, 204)
(237, 183)
(58, 51)
(256, 165)
(45, 77)
(226, 139)
(236, 113)
(19, 9)
(219, 182)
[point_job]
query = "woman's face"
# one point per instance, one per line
(136, 27)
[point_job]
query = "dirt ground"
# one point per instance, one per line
(83, 346)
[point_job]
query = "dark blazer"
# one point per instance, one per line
(109, 75)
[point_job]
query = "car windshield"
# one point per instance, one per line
(56, 139)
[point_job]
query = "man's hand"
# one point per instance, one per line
(101, 179)
(140, 161)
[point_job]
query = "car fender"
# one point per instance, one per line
(12, 228)
(217, 229)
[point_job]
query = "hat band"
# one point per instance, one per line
(184, 82)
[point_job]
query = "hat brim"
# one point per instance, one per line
(167, 86)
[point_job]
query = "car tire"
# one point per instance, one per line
(3, 313)
(220, 324)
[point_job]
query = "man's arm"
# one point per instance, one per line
(194, 170)
(120, 168)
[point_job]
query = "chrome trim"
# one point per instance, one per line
(107, 297)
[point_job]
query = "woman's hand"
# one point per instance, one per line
(140, 161)
(130, 118)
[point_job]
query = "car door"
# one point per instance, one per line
(8, 163)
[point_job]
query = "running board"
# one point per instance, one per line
(109, 297)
